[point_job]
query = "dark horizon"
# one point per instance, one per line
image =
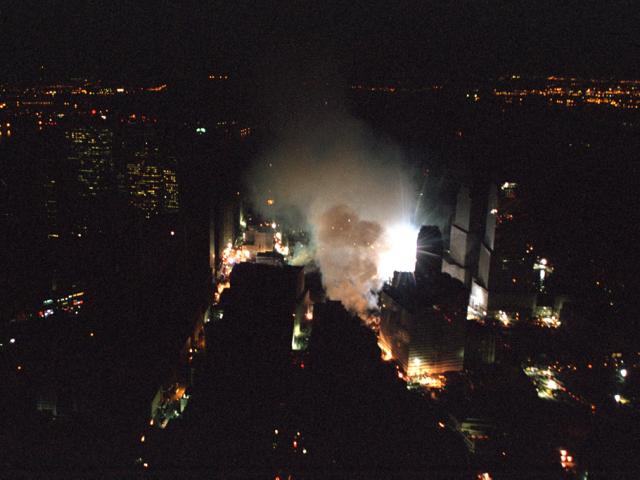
(409, 41)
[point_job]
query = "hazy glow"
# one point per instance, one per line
(350, 188)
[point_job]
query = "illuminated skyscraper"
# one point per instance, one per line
(170, 195)
(151, 182)
(91, 155)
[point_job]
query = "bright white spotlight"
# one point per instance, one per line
(399, 251)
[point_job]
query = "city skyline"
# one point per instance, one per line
(319, 240)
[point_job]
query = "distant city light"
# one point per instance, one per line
(12, 340)
(566, 460)
(201, 130)
(621, 399)
(552, 384)
(623, 372)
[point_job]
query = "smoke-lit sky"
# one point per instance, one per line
(378, 40)
(352, 191)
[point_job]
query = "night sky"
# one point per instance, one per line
(403, 40)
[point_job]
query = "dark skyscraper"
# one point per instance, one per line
(471, 244)
(429, 252)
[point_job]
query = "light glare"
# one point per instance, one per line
(399, 254)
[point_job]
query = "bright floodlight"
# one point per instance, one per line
(400, 251)
(623, 372)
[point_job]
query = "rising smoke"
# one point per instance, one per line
(352, 189)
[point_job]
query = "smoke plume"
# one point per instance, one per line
(347, 258)
(353, 190)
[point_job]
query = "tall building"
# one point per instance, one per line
(423, 314)
(471, 244)
(91, 156)
(171, 191)
(51, 206)
(150, 179)
(485, 237)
